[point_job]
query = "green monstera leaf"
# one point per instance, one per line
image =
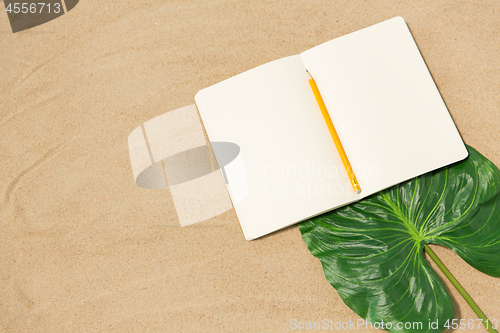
(372, 251)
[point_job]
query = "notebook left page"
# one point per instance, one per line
(286, 169)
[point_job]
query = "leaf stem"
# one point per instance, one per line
(460, 289)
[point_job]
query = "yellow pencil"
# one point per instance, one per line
(335, 137)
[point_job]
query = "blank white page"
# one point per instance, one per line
(384, 104)
(290, 167)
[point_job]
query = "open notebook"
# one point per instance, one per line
(381, 98)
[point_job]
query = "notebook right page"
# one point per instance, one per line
(385, 106)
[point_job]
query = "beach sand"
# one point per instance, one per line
(82, 248)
